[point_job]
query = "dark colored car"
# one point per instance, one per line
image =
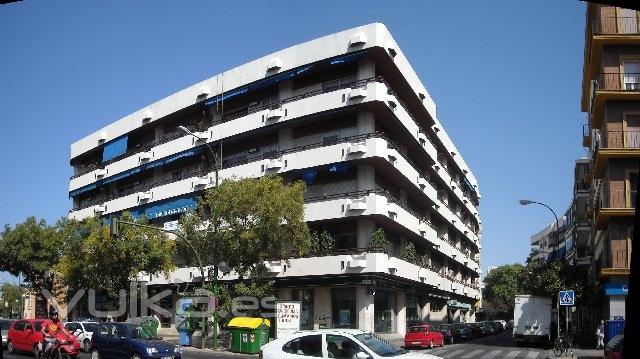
(445, 331)
(476, 330)
(461, 332)
(130, 341)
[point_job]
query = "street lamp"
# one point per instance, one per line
(525, 202)
(214, 162)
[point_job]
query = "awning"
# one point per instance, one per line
(616, 289)
(84, 189)
(115, 148)
(170, 207)
(348, 58)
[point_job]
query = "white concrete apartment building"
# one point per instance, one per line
(347, 114)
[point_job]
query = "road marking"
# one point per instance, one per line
(512, 354)
(453, 353)
(532, 355)
(492, 354)
(472, 354)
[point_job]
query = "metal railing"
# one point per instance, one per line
(614, 25)
(626, 81)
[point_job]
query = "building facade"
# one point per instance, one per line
(611, 99)
(347, 115)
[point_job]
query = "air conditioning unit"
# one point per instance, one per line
(465, 290)
(146, 156)
(273, 164)
(453, 286)
(274, 114)
(101, 172)
(102, 137)
(274, 64)
(274, 267)
(357, 263)
(358, 93)
(201, 181)
(147, 115)
(357, 39)
(392, 208)
(203, 91)
(145, 196)
(357, 148)
(422, 137)
(392, 101)
(101, 209)
(357, 204)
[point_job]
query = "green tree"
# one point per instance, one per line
(379, 243)
(11, 303)
(257, 220)
(548, 278)
(409, 253)
(31, 248)
(502, 284)
(322, 244)
(99, 261)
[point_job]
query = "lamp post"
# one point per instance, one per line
(214, 163)
(524, 202)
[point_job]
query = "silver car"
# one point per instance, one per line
(4, 328)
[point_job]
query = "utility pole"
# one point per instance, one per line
(214, 163)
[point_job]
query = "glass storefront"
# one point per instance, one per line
(343, 308)
(384, 311)
(305, 296)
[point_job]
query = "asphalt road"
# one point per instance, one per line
(499, 346)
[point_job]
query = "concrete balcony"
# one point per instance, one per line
(338, 265)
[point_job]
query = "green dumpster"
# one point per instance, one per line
(149, 324)
(248, 334)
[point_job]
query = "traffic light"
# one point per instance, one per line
(115, 230)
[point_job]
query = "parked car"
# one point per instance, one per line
(4, 328)
(476, 330)
(445, 331)
(24, 335)
(423, 336)
(83, 330)
(130, 341)
(335, 343)
(461, 332)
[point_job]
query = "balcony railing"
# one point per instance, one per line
(618, 139)
(614, 25)
(625, 81)
(616, 198)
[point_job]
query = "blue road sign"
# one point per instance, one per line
(567, 297)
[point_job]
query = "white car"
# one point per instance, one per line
(84, 331)
(335, 343)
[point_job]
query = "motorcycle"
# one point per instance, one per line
(63, 347)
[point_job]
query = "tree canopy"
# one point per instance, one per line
(537, 277)
(95, 259)
(253, 220)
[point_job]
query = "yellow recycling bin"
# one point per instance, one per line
(248, 334)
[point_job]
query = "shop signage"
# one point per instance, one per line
(616, 289)
(287, 317)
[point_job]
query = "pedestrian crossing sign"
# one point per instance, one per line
(567, 297)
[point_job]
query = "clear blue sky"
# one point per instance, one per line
(504, 74)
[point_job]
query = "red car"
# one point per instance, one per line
(25, 335)
(423, 336)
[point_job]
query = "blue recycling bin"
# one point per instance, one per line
(612, 328)
(185, 337)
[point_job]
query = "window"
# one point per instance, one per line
(631, 75)
(632, 189)
(310, 345)
(340, 347)
(19, 326)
